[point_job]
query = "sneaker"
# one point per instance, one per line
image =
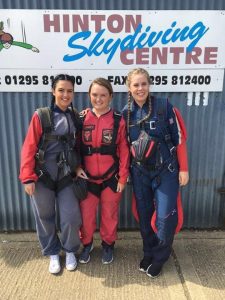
(54, 265)
(145, 263)
(71, 261)
(107, 255)
(85, 254)
(154, 270)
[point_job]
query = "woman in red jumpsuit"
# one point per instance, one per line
(106, 161)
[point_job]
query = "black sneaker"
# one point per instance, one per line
(154, 270)
(145, 263)
(107, 253)
(85, 254)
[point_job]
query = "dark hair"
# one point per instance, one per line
(56, 79)
(63, 77)
(103, 82)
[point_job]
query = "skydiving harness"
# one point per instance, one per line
(67, 160)
(88, 150)
(145, 146)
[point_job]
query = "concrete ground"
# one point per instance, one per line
(195, 270)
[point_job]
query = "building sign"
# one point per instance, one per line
(182, 50)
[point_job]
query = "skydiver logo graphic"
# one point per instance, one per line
(7, 40)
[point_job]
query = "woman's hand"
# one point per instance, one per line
(84, 112)
(29, 188)
(120, 187)
(183, 178)
(80, 173)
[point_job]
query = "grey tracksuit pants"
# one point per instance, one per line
(44, 203)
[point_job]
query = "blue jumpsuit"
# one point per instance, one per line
(155, 183)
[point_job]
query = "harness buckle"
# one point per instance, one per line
(171, 168)
(172, 150)
(167, 137)
(40, 173)
(89, 150)
(60, 163)
(152, 125)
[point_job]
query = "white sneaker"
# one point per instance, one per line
(54, 265)
(71, 261)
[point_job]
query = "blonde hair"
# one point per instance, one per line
(135, 72)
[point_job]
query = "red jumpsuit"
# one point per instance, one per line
(97, 132)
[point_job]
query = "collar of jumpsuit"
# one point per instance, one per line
(141, 112)
(57, 109)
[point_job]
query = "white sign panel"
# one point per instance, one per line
(182, 50)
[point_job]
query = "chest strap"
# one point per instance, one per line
(103, 150)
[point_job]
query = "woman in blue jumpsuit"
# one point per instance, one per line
(156, 172)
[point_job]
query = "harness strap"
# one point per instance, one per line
(97, 188)
(148, 167)
(45, 178)
(117, 118)
(103, 150)
(62, 183)
(166, 165)
(57, 186)
(45, 118)
(94, 188)
(114, 167)
(61, 138)
(161, 112)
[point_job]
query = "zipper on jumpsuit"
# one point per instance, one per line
(98, 120)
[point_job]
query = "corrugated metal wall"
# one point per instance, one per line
(204, 207)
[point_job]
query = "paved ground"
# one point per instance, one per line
(196, 270)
